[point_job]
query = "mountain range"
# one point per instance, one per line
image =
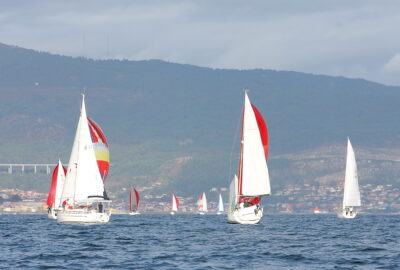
(174, 127)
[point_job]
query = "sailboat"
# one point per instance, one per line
(134, 202)
(220, 208)
(202, 204)
(351, 196)
(175, 204)
(56, 188)
(84, 199)
(252, 182)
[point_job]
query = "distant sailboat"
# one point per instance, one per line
(133, 202)
(220, 208)
(84, 199)
(175, 204)
(56, 188)
(202, 204)
(351, 196)
(252, 182)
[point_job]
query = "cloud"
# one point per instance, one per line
(393, 65)
(347, 38)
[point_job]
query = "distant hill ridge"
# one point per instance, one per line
(163, 111)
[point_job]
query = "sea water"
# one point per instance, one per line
(201, 242)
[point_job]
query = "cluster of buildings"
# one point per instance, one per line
(20, 201)
(293, 199)
(328, 199)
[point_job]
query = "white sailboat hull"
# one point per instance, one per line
(52, 214)
(247, 215)
(82, 216)
(172, 213)
(347, 214)
(219, 213)
(134, 213)
(202, 213)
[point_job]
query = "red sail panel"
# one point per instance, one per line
(137, 197)
(53, 187)
(263, 130)
(177, 201)
(200, 202)
(101, 148)
(130, 200)
(96, 132)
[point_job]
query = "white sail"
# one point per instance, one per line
(220, 204)
(205, 208)
(60, 185)
(351, 190)
(255, 177)
(83, 177)
(174, 203)
(233, 194)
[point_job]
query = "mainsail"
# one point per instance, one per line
(134, 200)
(83, 180)
(57, 184)
(351, 190)
(253, 174)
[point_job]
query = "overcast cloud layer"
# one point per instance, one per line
(357, 39)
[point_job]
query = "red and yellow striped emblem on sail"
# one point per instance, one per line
(100, 148)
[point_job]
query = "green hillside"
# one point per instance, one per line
(175, 127)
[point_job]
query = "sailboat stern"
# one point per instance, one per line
(246, 215)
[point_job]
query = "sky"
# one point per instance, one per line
(355, 39)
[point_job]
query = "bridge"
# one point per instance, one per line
(35, 168)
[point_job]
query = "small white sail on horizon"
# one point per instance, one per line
(134, 202)
(220, 208)
(351, 193)
(202, 204)
(175, 204)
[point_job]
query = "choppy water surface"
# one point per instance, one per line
(201, 242)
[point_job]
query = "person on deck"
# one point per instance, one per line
(100, 208)
(64, 203)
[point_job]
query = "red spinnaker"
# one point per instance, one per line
(137, 197)
(262, 126)
(101, 148)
